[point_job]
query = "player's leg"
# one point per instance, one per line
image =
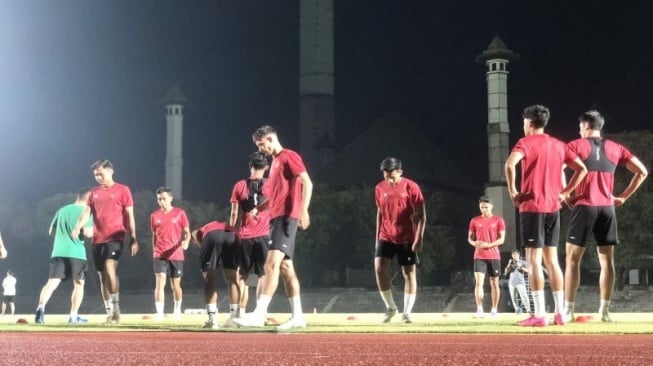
(574, 256)
(46, 293)
(384, 252)
(495, 293)
(99, 255)
(231, 277)
(291, 283)
(409, 272)
(76, 299)
(552, 264)
(208, 259)
(176, 273)
(160, 267)
(231, 260)
(480, 268)
(606, 279)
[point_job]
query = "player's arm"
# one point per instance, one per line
(471, 238)
(129, 211)
(81, 221)
(3, 250)
(185, 238)
(580, 171)
(640, 172)
(420, 221)
(378, 226)
(510, 169)
(307, 193)
(233, 217)
(499, 242)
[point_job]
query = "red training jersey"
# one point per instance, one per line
(487, 230)
(167, 229)
(601, 158)
(283, 187)
(250, 226)
(397, 205)
(108, 208)
(211, 226)
(541, 170)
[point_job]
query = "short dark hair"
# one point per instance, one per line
(164, 189)
(485, 199)
(102, 163)
(82, 191)
(263, 131)
(258, 160)
(593, 118)
(538, 114)
(390, 163)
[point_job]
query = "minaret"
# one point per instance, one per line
(496, 58)
(174, 102)
(316, 114)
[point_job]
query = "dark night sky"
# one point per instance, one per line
(81, 80)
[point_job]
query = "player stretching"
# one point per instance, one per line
(112, 206)
(289, 190)
(542, 160)
(68, 259)
(218, 242)
(170, 237)
(400, 223)
(593, 211)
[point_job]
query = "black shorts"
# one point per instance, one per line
(102, 252)
(539, 229)
(8, 299)
(490, 267)
(404, 252)
(283, 231)
(174, 269)
(598, 220)
(219, 245)
(65, 268)
(254, 251)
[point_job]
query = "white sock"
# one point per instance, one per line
(494, 310)
(158, 305)
(233, 310)
(388, 299)
(177, 308)
(297, 307)
(73, 314)
(569, 307)
(108, 305)
(539, 303)
(409, 301)
(558, 301)
(605, 305)
(41, 307)
(262, 305)
(479, 309)
(212, 311)
(242, 311)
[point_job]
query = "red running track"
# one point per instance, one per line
(206, 348)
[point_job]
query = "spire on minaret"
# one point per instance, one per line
(496, 57)
(317, 111)
(174, 102)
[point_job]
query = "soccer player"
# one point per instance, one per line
(516, 268)
(486, 233)
(68, 258)
(542, 160)
(8, 293)
(593, 210)
(112, 207)
(170, 237)
(288, 189)
(217, 241)
(254, 231)
(400, 223)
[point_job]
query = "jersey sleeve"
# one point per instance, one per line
(295, 163)
(184, 219)
(624, 155)
(377, 196)
(152, 222)
(415, 194)
(89, 222)
(501, 224)
(235, 196)
(520, 147)
(127, 199)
